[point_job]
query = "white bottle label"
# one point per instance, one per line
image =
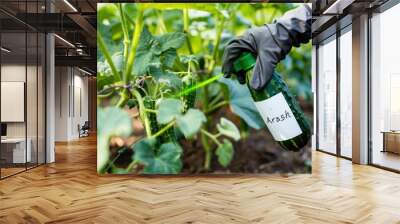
(278, 117)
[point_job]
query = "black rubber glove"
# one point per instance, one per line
(270, 43)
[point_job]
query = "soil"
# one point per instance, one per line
(258, 153)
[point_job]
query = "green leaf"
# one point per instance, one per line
(171, 40)
(225, 153)
(168, 58)
(116, 32)
(102, 67)
(169, 43)
(229, 129)
(168, 110)
(144, 150)
(163, 160)
(157, 51)
(168, 78)
(190, 123)
(224, 9)
(109, 26)
(118, 60)
(106, 11)
(146, 53)
(242, 103)
(214, 89)
(113, 122)
(189, 58)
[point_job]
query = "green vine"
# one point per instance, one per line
(134, 45)
(125, 30)
(142, 112)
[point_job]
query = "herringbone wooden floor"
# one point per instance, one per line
(70, 191)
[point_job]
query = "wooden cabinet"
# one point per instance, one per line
(391, 142)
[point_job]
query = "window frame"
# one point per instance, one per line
(29, 29)
(342, 26)
(378, 10)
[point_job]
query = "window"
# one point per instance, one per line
(22, 78)
(327, 96)
(385, 89)
(346, 92)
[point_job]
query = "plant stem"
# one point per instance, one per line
(135, 43)
(220, 29)
(142, 112)
(101, 96)
(216, 99)
(131, 165)
(151, 111)
(204, 133)
(208, 152)
(212, 65)
(218, 40)
(130, 20)
(111, 87)
(125, 31)
(189, 71)
(207, 147)
(205, 97)
(107, 55)
(179, 73)
(217, 106)
(186, 29)
(156, 90)
(111, 162)
(163, 28)
(213, 137)
(164, 129)
(123, 99)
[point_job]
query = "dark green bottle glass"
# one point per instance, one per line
(278, 107)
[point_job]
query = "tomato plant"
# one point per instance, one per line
(159, 64)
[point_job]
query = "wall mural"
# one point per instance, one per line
(164, 106)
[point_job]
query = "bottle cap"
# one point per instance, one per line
(244, 63)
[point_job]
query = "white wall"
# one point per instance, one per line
(71, 102)
(61, 103)
(80, 100)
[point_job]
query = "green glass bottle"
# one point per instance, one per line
(278, 108)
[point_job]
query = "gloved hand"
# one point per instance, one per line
(270, 43)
